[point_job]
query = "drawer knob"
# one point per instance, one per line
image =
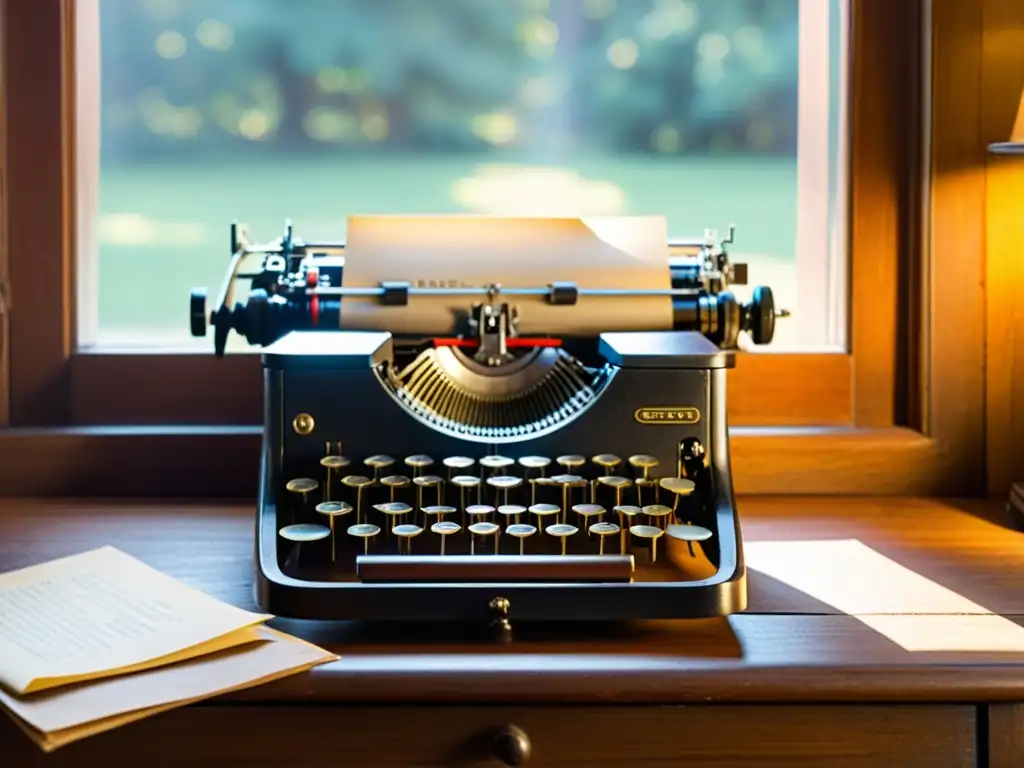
(511, 745)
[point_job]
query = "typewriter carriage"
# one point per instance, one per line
(486, 391)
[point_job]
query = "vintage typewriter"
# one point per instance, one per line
(483, 419)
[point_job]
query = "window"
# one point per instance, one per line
(154, 124)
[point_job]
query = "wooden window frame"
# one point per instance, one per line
(902, 412)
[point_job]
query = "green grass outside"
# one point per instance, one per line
(145, 279)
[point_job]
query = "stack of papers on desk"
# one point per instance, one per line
(97, 640)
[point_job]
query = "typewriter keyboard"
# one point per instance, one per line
(603, 506)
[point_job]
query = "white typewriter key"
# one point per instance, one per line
(534, 462)
(503, 484)
(644, 462)
(651, 532)
(688, 532)
(571, 461)
(561, 531)
(601, 530)
(457, 462)
(303, 532)
(358, 482)
(332, 463)
(656, 511)
(417, 462)
(394, 510)
(483, 529)
(616, 482)
(444, 529)
(427, 481)
(587, 511)
(394, 482)
(521, 531)
(679, 486)
(377, 462)
(463, 482)
(439, 511)
(511, 510)
(544, 510)
(333, 509)
(364, 531)
(406, 533)
(479, 511)
(607, 460)
(496, 462)
(302, 486)
(626, 513)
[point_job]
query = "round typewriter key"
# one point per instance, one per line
(607, 460)
(543, 510)
(503, 484)
(393, 509)
(688, 532)
(571, 461)
(331, 462)
(511, 510)
(679, 486)
(463, 482)
(616, 482)
(364, 531)
(651, 532)
(534, 462)
(483, 529)
(358, 482)
(333, 509)
(377, 462)
(479, 511)
(561, 531)
(601, 530)
(393, 483)
(302, 485)
(587, 511)
(427, 481)
(418, 461)
(643, 462)
(457, 462)
(407, 533)
(444, 529)
(521, 531)
(626, 513)
(303, 532)
(654, 511)
(496, 462)
(439, 510)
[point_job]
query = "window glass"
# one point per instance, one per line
(193, 113)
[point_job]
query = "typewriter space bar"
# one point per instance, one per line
(384, 569)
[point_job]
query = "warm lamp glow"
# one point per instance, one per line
(1015, 146)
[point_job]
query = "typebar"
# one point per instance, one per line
(494, 568)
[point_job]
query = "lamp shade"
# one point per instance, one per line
(1015, 146)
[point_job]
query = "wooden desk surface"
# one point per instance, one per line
(786, 646)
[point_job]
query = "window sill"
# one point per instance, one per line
(223, 462)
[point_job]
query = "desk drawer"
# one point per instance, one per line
(639, 736)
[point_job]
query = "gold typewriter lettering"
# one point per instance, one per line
(667, 415)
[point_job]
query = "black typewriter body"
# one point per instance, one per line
(487, 477)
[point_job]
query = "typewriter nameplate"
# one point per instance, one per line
(667, 415)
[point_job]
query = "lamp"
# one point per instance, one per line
(1015, 146)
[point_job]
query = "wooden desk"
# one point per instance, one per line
(790, 682)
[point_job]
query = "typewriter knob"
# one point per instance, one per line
(760, 315)
(197, 311)
(511, 745)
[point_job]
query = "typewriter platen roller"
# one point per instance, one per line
(493, 420)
